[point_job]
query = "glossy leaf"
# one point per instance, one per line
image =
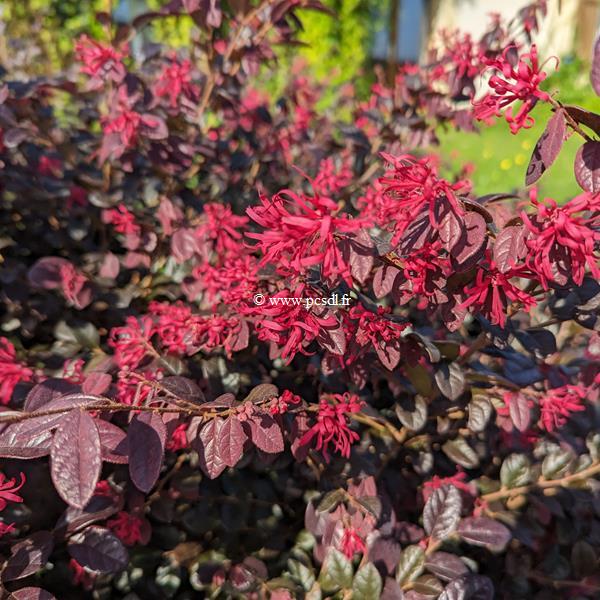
(482, 531)
(146, 442)
(367, 583)
(98, 549)
(442, 512)
(28, 556)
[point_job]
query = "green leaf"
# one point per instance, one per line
(301, 573)
(556, 464)
(336, 572)
(592, 441)
(428, 585)
(330, 501)
(461, 453)
(367, 583)
(410, 565)
(371, 504)
(515, 471)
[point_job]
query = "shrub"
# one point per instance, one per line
(253, 352)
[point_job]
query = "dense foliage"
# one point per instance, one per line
(249, 351)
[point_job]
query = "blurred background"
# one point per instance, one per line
(364, 36)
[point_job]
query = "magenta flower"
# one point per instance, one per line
(8, 489)
(11, 372)
(557, 406)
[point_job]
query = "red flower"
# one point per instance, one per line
(78, 196)
(49, 167)
(561, 243)
(101, 62)
(557, 406)
(332, 425)
(127, 528)
(11, 372)
(221, 227)
(426, 272)
(5, 529)
(375, 328)
(174, 81)
(122, 219)
(351, 542)
(492, 291)
(516, 83)
(8, 489)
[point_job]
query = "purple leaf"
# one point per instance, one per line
(31, 593)
(45, 273)
(383, 280)
(451, 230)
(482, 531)
(509, 247)
(471, 246)
(98, 549)
(99, 508)
(146, 438)
(75, 458)
(595, 73)
(96, 383)
(45, 392)
(388, 353)
(266, 433)
(113, 442)
(469, 587)
(442, 512)
(584, 117)
(206, 444)
(183, 388)
(519, 411)
(14, 444)
(231, 441)
(28, 556)
(445, 566)
(587, 167)
(547, 147)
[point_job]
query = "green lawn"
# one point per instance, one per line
(501, 159)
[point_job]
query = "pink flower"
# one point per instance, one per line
(75, 286)
(412, 186)
(81, 575)
(178, 440)
(49, 167)
(281, 404)
(332, 427)
(127, 528)
(351, 542)
(300, 231)
(221, 227)
(175, 81)
(557, 406)
(11, 372)
(132, 341)
(6, 529)
(122, 219)
(513, 83)
(561, 242)
(8, 489)
(457, 480)
(492, 292)
(375, 328)
(101, 62)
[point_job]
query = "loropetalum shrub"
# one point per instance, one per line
(251, 351)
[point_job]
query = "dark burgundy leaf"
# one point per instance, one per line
(113, 442)
(392, 590)
(547, 147)
(183, 388)
(520, 413)
(389, 354)
(34, 444)
(383, 280)
(98, 549)
(587, 167)
(445, 566)
(584, 117)
(231, 441)
(266, 433)
(206, 444)
(28, 556)
(96, 383)
(482, 531)
(146, 438)
(99, 508)
(76, 458)
(43, 393)
(470, 247)
(469, 587)
(333, 339)
(451, 230)
(45, 273)
(442, 512)
(509, 247)
(31, 593)
(595, 72)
